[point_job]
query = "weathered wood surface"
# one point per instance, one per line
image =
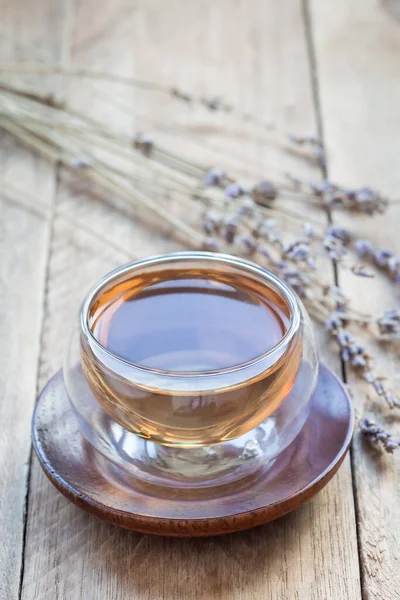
(259, 59)
(357, 47)
(24, 248)
(311, 553)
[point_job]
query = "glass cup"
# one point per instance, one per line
(192, 428)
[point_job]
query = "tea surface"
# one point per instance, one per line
(190, 323)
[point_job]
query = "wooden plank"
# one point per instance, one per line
(358, 62)
(212, 48)
(24, 242)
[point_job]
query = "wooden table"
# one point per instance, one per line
(303, 66)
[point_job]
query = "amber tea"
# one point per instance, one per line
(187, 327)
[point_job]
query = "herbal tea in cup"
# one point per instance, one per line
(191, 349)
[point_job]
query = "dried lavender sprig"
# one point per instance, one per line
(389, 322)
(264, 190)
(86, 163)
(336, 241)
(260, 240)
(361, 271)
(386, 326)
(26, 110)
(331, 195)
(238, 233)
(312, 147)
(146, 146)
(294, 261)
(88, 127)
(212, 103)
(378, 436)
(364, 199)
(355, 354)
(382, 258)
(250, 248)
(104, 179)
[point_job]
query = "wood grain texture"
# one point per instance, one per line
(358, 48)
(24, 242)
(257, 59)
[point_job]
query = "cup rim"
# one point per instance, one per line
(188, 256)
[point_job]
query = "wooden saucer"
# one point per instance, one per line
(92, 482)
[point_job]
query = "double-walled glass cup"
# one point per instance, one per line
(198, 427)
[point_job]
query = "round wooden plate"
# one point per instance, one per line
(94, 484)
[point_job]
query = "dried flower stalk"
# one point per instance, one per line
(221, 213)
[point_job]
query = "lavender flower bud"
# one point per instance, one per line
(390, 446)
(144, 143)
(339, 233)
(389, 322)
(381, 256)
(311, 263)
(369, 377)
(333, 323)
(247, 206)
(265, 190)
(359, 362)
(351, 195)
(209, 226)
(212, 103)
(368, 426)
(335, 249)
(378, 387)
(181, 95)
(393, 313)
(376, 434)
(299, 252)
(321, 188)
(234, 190)
(264, 252)
(336, 198)
(393, 265)
(363, 248)
(295, 139)
(310, 232)
(269, 223)
(345, 355)
(295, 181)
(369, 201)
(248, 244)
(77, 162)
(344, 338)
(361, 271)
(390, 399)
(215, 177)
(354, 349)
(274, 238)
(229, 229)
(210, 245)
(365, 194)
(213, 220)
(318, 152)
